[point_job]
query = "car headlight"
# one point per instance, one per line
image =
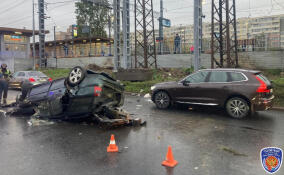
(153, 87)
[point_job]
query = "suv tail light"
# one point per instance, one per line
(31, 80)
(98, 91)
(263, 87)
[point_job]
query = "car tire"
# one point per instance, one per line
(162, 100)
(76, 76)
(237, 108)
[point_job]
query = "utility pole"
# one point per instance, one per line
(126, 34)
(161, 30)
(197, 33)
(41, 33)
(34, 58)
(55, 56)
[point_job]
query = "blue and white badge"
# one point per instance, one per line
(271, 159)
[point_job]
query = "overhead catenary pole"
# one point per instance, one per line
(197, 33)
(161, 30)
(116, 10)
(34, 58)
(224, 37)
(126, 35)
(41, 34)
(145, 45)
(55, 56)
(109, 34)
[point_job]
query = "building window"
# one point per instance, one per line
(16, 47)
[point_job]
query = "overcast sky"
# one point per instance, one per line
(18, 13)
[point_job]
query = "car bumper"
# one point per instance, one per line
(263, 104)
(14, 85)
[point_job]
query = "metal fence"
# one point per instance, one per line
(261, 42)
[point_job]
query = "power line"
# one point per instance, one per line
(60, 6)
(20, 19)
(62, 2)
(29, 16)
(280, 5)
(13, 7)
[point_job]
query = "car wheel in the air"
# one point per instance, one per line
(162, 100)
(237, 108)
(76, 76)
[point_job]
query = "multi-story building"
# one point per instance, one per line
(266, 32)
(282, 32)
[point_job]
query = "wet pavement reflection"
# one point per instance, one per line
(204, 141)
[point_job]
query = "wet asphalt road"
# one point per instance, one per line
(204, 141)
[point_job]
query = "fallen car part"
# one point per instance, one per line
(117, 117)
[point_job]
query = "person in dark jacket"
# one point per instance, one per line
(5, 75)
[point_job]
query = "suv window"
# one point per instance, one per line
(263, 78)
(236, 76)
(218, 77)
(199, 77)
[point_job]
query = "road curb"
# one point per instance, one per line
(278, 108)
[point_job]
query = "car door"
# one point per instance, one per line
(190, 89)
(81, 102)
(218, 87)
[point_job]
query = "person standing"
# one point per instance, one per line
(5, 75)
(177, 44)
(191, 49)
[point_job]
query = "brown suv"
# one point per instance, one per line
(238, 91)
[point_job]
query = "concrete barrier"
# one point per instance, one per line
(253, 60)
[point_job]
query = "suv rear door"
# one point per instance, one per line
(218, 87)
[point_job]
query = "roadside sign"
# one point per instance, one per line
(16, 37)
(166, 22)
(74, 30)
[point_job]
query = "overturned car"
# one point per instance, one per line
(82, 94)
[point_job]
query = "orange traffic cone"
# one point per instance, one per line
(170, 161)
(112, 148)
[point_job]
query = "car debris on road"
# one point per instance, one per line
(83, 94)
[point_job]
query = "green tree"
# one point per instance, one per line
(94, 15)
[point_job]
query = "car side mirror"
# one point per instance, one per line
(186, 83)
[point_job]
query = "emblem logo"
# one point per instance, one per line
(271, 159)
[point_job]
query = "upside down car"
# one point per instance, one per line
(83, 93)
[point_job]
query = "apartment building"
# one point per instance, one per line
(282, 32)
(267, 31)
